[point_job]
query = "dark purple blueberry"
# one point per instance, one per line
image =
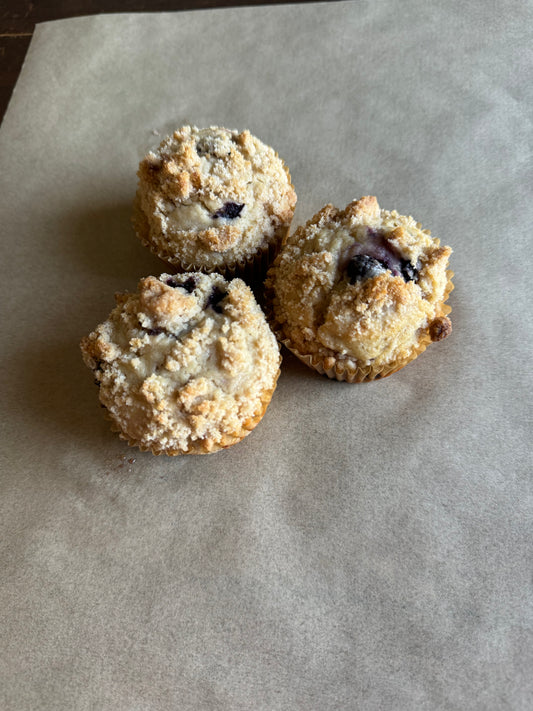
(229, 210)
(362, 266)
(215, 297)
(189, 284)
(409, 271)
(154, 331)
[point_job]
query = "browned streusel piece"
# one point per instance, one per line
(187, 364)
(212, 198)
(361, 287)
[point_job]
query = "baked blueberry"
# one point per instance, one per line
(230, 210)
(189, 284)
(409, 271)
(362, 266)
(215, 297)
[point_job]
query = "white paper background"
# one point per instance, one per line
(367, 546)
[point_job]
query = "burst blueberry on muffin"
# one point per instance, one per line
(358, 293)
(188, 364)
(213, 199)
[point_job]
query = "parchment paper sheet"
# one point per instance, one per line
(367, 546)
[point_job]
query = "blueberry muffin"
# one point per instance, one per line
(358, 293)
(213, 200)
(188, 364)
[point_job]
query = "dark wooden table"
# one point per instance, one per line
(19, 17)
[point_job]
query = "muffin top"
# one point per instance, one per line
(363, 285)
(186, 364)
(212, 197)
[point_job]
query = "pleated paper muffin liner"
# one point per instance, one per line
(346, 369)
(252, 268)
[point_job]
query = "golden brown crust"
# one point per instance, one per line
(205, 445)
(440, 328)
(221, 239)
(366, 206)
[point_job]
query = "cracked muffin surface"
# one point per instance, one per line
(358, 293)
(212, 199)
(188, 364)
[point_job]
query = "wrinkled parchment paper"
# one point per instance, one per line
(367, 546)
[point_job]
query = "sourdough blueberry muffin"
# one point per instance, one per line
(188, 364)
(213, 199)
(358, 293)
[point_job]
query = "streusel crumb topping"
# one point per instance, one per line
(362, 284)
(212, 197)
(188, 363)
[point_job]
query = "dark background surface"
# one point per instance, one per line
(19, 17)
